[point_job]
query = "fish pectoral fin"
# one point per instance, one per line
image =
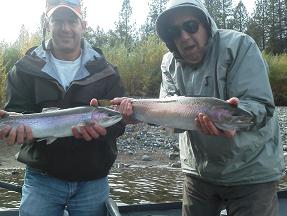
(171, 131)
(50, 109)
(11, 114)
(168, 130)
(17, 155)
(178, 130)
(87, 123)
(84, 124)
(104, 102)
(48, 140)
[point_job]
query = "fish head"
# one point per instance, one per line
(105, 116)
(229, 117)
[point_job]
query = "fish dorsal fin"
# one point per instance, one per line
(50, 140)
(7, 114)
(50, 109)
(104, 102)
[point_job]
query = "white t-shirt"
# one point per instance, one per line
(66, 70)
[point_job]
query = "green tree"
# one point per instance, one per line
(277, 39)
(255, 31)
(219, 10)
(97, 37)
(240, 18)
(213, 7)
(18, 49)
(257, 27)
(2, 78)
(140, 66)
(124, 28)
(226, 12)
(84, 10)
(155, 8)
(268, 25)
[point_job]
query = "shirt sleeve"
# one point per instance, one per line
(248, 80)
(168, 87)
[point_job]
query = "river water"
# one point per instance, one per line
(128, 186)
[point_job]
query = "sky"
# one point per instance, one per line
(103, 13)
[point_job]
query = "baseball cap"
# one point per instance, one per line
(73, 5)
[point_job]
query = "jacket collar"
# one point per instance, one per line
(88, 53)
(37, 60)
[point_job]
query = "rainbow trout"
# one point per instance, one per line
(180, 112)
(52, 124)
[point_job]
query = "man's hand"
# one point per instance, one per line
(91, 131)
(124, 106)
(12, 135)
(206, 126)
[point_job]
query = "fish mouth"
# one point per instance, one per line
(242, 122)
(109, 121)
(235, 122)
(243, 117)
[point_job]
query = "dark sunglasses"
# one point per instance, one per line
(191, 26)
(71, 2)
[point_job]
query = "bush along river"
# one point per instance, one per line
(147, 168)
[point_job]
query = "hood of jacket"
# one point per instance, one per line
(178, 5)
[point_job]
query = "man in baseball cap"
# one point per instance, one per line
(70, 175)
(60, 14)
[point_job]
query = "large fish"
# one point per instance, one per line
(52, 124)
(180, 112)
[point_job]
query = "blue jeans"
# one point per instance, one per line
(43, 195)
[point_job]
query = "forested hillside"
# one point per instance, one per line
(137, 51)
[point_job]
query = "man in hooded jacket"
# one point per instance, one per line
(237, 170)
